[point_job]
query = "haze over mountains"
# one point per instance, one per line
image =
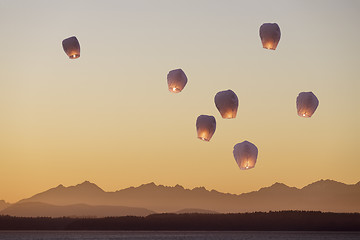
(38, 209)
(87, 199)
(3, 204)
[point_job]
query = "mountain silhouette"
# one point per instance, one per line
(78, 194)
(323, 195)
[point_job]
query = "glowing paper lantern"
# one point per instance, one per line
(71, 47)
(306, 104)
(245, 155)
(270, 35)
(227, 103)
(176, 80)
(205, 126)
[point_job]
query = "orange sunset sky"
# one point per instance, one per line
(109, 118)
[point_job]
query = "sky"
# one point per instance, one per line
(108, 117)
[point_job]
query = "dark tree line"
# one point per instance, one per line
(257, 221)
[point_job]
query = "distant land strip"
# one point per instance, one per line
(257, 221)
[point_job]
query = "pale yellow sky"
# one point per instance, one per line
(109, 118)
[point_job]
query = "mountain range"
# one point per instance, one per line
(87, 199)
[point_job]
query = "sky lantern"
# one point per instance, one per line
(205, 127)
(245, 154)
(306, 104)
(270, 35)
(227, 103)
(71, 47)
(176, 80)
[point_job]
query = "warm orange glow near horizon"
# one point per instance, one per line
(111, 117)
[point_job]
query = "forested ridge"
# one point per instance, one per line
(257, 221)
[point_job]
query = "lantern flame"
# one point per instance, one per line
(204, 135)
(269, 46)
(74, 56)
(230, 114)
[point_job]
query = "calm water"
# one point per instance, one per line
(52, 235)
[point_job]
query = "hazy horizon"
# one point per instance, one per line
(159, 184)
(89, 183)
(109, 118)
(88, 199)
